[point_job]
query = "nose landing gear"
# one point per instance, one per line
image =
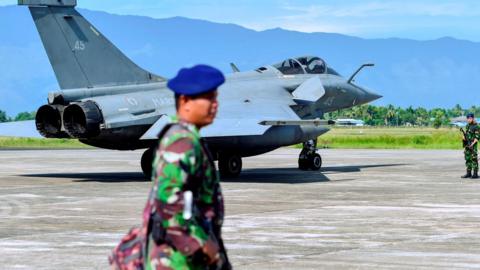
(309, 158)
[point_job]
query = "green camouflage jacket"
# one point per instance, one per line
(183, 163)
(472, 132)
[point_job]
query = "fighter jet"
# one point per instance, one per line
(107, 101)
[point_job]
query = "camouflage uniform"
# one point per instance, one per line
(183, 163)
(471, 154)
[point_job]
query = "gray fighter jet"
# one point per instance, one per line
(108, 101)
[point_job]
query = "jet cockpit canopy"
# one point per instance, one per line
(304, 65)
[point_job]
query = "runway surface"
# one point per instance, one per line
(367, 209)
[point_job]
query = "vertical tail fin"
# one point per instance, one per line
(79, 54)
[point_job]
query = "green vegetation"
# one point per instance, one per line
(396, 116)
(396, 128)
(3, 116)
(23, 116)
(391, 138)
(30, 143)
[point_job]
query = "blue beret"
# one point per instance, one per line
(470, 115)
(197, 80)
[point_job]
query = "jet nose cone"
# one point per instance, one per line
(370, 96)
(367, 96)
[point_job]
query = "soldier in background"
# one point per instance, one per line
(470, 138)
(185, 226)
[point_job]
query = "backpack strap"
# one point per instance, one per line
(164, 130)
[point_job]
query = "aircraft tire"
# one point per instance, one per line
(315, 162)
(229, 165)
(146, 162)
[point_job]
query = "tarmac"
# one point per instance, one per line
(366, 209)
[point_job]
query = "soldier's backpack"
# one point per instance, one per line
(128, 255)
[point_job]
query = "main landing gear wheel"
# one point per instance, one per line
(309, 159)
(229, 165)
(147, 162)
(316, 162)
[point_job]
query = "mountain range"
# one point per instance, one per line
(433, 73)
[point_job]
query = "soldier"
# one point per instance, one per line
(186, 220)
(470, 139)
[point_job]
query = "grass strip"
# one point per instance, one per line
(337, 138)
(391, 138)
(34, 143)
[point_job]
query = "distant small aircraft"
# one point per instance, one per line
(350, 122)
(107, 101)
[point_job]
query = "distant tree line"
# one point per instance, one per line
(23, 116)
(397, 116)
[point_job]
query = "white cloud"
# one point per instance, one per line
(426, 19)
(386, 8)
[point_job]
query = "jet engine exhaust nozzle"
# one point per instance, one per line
(49, 122)
(82, 120)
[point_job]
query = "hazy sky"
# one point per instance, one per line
(417, 19)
